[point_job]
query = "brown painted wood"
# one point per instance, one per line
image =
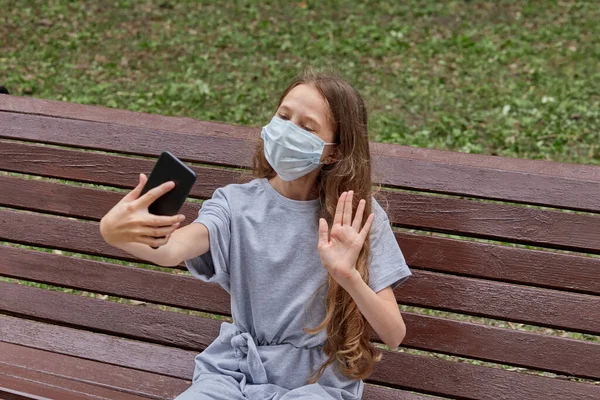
(84, 389)
(418, 373)
(227, 151)
(141, 383)
(113, 279)
(562, 230)
(449, 255)
(518, 348)
(467, 381)
(144, 323)
(99, 168)
(402, 173)
(123, 117)
(450, 215)
(374, 392)
(128, 380)
(503, 263)
(60, 109)
(39, 390)
(494, 184)
(49, 231)
(67, 200)
(523, 349)
(551, 308)
(10, 394)
(477, 297)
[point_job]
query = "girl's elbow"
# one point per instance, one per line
(397, 340)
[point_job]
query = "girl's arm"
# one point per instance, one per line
(380, 309)
(130, 227)
(184, 244)
(339, 250)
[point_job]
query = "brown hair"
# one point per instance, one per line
(348, 336)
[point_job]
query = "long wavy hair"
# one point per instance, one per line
(348, 342)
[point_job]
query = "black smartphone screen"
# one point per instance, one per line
(170, 168)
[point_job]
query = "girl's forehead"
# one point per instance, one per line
(307, 100)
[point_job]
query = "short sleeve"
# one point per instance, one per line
(388, 266)
(213, 266)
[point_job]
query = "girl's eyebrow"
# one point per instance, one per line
(306, 118)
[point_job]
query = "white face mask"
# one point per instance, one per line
(291, 151)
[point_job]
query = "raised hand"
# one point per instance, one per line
(339, 250)
(130, 221)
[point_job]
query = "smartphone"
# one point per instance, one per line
(170, 168)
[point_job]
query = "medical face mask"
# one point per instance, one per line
(291, 151)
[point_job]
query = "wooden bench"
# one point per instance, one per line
(504, 251)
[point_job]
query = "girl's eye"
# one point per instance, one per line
(283, 116)
(306, 128)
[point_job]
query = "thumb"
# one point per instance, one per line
(323, 232)
(135, 193)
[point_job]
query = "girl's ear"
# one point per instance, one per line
(334, 156)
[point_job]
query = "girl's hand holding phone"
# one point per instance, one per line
(130, 221)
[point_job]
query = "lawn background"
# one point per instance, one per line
(510, 78)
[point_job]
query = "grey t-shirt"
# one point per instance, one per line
(263, 251)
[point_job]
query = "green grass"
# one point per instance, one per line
(512, 78)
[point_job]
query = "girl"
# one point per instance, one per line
(306, 253)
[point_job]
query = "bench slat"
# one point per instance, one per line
(20, 389)
(433, 253)
(527, 187)
(551, 308)
(99, 168)
(138, 381)
(467, 381)
(59, 109)
(424, 374)
(141, 383)
(80, 389)
(427, 289)
(554, 354)
(457, 216)
(502, 263)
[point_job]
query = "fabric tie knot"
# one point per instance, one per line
(251, 365)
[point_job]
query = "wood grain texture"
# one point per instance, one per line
(83, 389)
(562, 310)
(467, 381)
(52, 108)
(115, 377)
(418, 373)
(555, 229)
(562, 230)
(502, 263)
(99, 168)
(126, 374)
(142, 323)
(10, 394)
(423, 175)
(551, 308)
(554, 354)
(23, 389)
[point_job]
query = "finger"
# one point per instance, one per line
(154, 194)
(161, 231)
(339, 209)
(347, 217)
(135, 193)
(367, 228)
(153, 242)
(162, 221)
(359, 215)
(323, 232)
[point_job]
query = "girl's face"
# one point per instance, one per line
(305, 107)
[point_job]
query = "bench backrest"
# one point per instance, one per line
(504, 252)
